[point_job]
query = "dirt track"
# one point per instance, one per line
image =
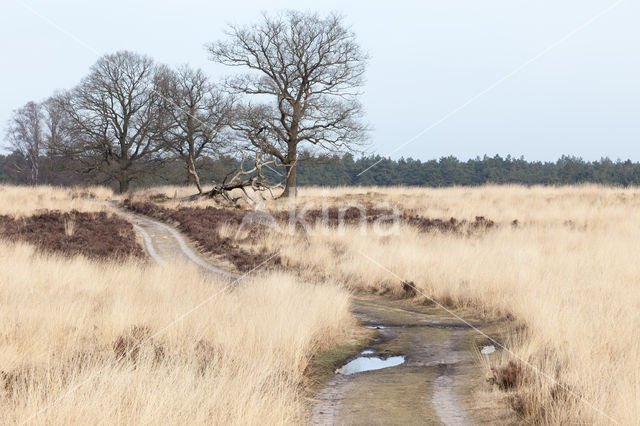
(164, 244)
(436, 385)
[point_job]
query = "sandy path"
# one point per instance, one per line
(165, 244)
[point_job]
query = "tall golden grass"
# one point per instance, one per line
(237, 359)
(568, 272)
(25, 200)
(85, 342)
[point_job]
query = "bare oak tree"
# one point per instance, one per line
(311, 69)
(57, 124)
(26, 136)
(198, 114)
(117, 116)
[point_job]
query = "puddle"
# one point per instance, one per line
(430, 325)
(489, 349)
(368, 352)
(369, 363)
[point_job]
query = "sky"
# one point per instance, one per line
(536, 78)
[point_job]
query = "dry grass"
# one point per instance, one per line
(239, 359)
(25, 200)
(110, 329)
(568, 271)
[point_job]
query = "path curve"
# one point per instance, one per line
(431, 387)
(165, 244)
(425, 390)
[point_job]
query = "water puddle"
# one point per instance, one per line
(430, 325)
(488, 349)
(369, 363)
(368, 352)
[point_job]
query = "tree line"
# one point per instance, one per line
(345, 170)
(449, 171)
(297, 88)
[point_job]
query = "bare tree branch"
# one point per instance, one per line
(26, 136)
(311, 69)
(117, 116)
(198, 114)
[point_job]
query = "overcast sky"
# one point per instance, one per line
(457, 60)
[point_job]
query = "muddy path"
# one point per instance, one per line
(165, 244)
(439, 376)
(436, 384)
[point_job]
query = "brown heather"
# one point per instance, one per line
(94, 235)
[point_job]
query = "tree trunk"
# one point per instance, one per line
(123, 180)
(197, 179)
(124, 163)
(34, 175)
(124, 185)
(192, 174)
(290, 187)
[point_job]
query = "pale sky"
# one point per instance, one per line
(451, 59)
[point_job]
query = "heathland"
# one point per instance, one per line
(556, 265)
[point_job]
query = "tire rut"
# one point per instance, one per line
(427, 389)
(164, 244)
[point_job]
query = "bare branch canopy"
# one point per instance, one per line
(117, 116)
(198, 114)
(305, 73)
